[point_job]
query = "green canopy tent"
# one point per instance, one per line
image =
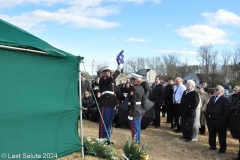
(39, 103)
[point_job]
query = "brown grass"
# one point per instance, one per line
(162, 144)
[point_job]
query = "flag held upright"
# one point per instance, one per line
(120, 60)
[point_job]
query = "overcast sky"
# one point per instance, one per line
(100, 29)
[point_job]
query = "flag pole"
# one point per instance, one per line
(80, 105)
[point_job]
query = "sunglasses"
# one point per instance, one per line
(235, 90)
(216, 89)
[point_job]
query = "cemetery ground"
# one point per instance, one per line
(162, 144)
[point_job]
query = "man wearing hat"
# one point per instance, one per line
(108, 100)
(204, 99)
(136, 106)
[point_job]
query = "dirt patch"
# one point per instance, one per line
(162, 144)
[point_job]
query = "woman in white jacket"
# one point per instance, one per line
(196, 124)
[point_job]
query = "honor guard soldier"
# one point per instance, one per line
(108, 100)
(136, 106)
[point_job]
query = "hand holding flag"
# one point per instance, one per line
(120, 61)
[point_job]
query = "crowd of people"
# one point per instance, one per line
(189, 108)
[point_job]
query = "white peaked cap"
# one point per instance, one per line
(134, 75)
(105, 68)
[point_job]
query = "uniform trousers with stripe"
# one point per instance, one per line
(135, 126)
(107, 115)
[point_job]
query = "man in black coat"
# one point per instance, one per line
(189, 103)
(217, 115)
(157, 97)
(168, 95)
(237, 124)
(146, 88)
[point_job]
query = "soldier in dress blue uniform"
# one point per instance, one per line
(136, 106)
(108, 100)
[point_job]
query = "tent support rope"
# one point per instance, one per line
(80, 103)
(98, 108)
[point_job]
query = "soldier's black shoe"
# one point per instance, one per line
(188, 140)
(118, 126)
(153, 124)
(211, 148)
(221, 152)
(177, 130)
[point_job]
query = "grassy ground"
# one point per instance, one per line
(162, 144)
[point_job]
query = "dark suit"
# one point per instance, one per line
(189, 103)
(217, 115)
(168, 99)
(157, 97)
(237, 124)
(146, 88)
(234, 104)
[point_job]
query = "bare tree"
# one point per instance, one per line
(183, 68)
(131, 65)
(226, 55)
(204, 58)
(235, 64)
(171, 61)
(152, 63)
(140, 63)
(237, 53)
(134, 64)
(226, 70)
(214, 65)
(161, 70)
(100, 64)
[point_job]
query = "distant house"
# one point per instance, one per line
(147, 75)
(191, 76)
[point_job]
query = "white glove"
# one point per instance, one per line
(120, 66)
(130, 118)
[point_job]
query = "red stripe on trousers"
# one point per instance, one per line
(131, 124)
(101, 124)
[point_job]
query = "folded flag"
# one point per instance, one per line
(120, 59)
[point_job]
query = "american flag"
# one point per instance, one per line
(120, 59)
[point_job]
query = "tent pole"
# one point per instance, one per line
(22, 49)
(80, 102)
